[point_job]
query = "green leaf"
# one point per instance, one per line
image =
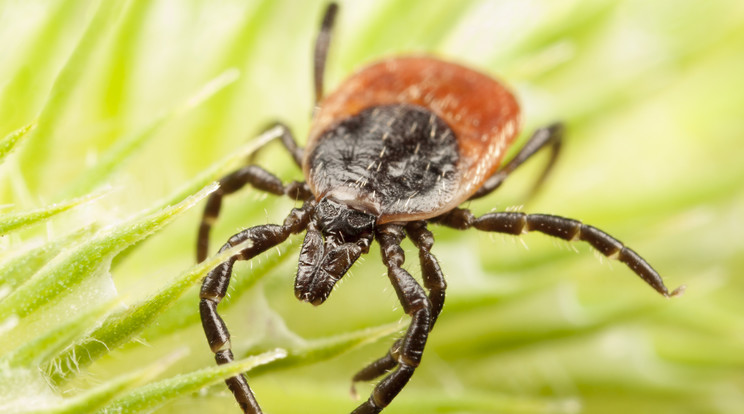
(97, 397)
(36, 153)
(116, 157)
(182, 312)
(14, 221)
(93, 256)
(9, 141)
(158, 393)
(210, 174)
(42, 348)
(227, 164)
(121, 327)
(477, 401)
(41, 55)
(326, 348)
(154, 395)
(21, 266)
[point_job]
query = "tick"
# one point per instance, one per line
(398, 146)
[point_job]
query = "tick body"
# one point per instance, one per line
(409, 138)
(398, 146)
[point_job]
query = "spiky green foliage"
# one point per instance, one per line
(115, 117)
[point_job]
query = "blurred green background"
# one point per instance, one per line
(132, 100)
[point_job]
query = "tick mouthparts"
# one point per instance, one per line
(309, 297)
(316, 291)
(330, 262)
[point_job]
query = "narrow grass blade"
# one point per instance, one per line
(154, 395)
(475, 401)
(182, 313)
(20, 267)
(70, 269)
(15, 221)
(97, 397)
(116, 157)
(23, 92)
(9, 141)
(41, 349)
(226, 164)
(35, 154)
(214, 172)
(326, 348)
(122, 326)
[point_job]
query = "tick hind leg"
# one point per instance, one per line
(564, 228)
(434, 282)
(550, 136)
(214, 289)
(257, 177)
(407, 350)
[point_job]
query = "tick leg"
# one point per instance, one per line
(214, 289)
(415, 303)
(287, 140)
(551, 135)
(434, 281)
(564, 228)
(256, 177)
(322, 43)
(431, 273)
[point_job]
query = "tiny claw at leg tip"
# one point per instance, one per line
(677, 292)
(354, 393)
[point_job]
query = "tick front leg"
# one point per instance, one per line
(564, 228)
(257, 177)
(416, 304)
(214, 289)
